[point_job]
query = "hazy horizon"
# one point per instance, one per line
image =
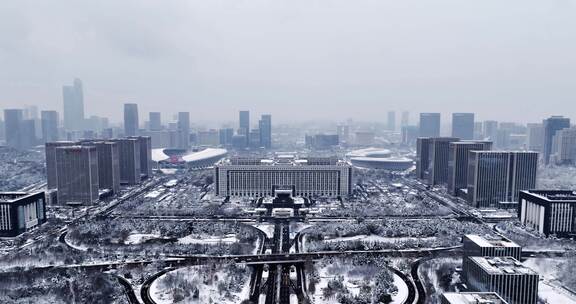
(297, 60)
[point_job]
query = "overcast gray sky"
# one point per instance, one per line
(296, 59)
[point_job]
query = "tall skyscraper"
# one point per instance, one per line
(130, 119)
(73, 106)
(184, 129)
(551, 126)
(429, 124)
(226, 135)
(108, 165)
(496, 176)
(391, 122)
(77, 168)
(28, 133)
(129, 153)
(463, 125)
(405, 121)
(564, 147)
(265, 125)
(13, 127)
(458, 163)
(490, 130)
(535, 137)
(51, 173)
(49, 126)
(155, 121)
(422, 157)
(439, 154)
(145, 155)
(244, 125)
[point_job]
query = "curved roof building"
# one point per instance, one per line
(377, 158)
(198, 159)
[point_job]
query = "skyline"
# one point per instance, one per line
(490, 58)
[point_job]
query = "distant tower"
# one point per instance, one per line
(155, 121)
(184, 129)
(405, 119)
(429, 124)
(265, 126)
(244, 126)
(130, 119)
(463, 125)
(73, 97)
(13, 127)
(551, 126)
(49, 126)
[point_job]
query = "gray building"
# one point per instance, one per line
(108, 165)
(131, 119)
(129, 153)
(155, 121)
(28, 134)
(514, 282)
(490, 130)
(429, 125)
(265, 126)
(49, 126)
(471, 298)
(145, 145)
(535, 137)
(73, 97)
(458, 163)
(496, 176)
(463, 125)
(478, 246)
(405, 120)
(20, 212)
(564, 147)
(13, 127)
(244, 125)
(51, 172)
(439, 155)
(422, 157)
(77, 168)
(226, 135)
(551, 126)
(184, 129)
(550, 212)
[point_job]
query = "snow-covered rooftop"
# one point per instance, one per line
(205, 154)
(502, 265)
(480, 241)
(158, 155)
(473, 298)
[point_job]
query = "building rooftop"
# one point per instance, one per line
(502, 265)
(473, 298)
(483, 242)
(11, 197)
(554, 195)
(285, 161)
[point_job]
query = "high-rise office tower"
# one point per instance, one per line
(551, 126)
(265, 126)
(409, 134)
(564, 147)
(184, 129)
(429, 124)
(405, 120)
(108, 165)
(535, 137)
(490, 130)
(145, 155)
(226, 135)
(391, 122)
(77, 168)
(73, 106)
(130, 119)
(129, 153)
(12, 127)
(155, 121)
(51, 173)
(28, 133)
(244, 124)
(343, 132)
(496, 176)
(458, 163)
(439, 154)
(463, 125)
(422, 156)
(49, 126)
(477, 130)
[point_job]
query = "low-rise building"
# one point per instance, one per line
(20, 212)
(548, 211)
(471, 298)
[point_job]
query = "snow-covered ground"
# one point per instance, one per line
(550, 288)
(378, 239)
(208, 282)
(266, 228)
(139, 238)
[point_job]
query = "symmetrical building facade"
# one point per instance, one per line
(77, 176)
(458, 162)
(259, 177)
(495, 177)
(20, 212)
(549, 211)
